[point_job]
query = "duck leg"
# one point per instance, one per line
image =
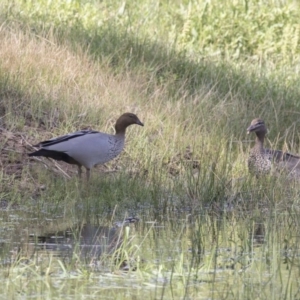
(88, 174)
(79, 171)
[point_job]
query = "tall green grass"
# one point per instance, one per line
(260, 30)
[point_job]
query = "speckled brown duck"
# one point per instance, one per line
(261, 160)
(88, 147)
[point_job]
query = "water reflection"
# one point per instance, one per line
(87, 241)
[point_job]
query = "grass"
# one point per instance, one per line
(196, 73)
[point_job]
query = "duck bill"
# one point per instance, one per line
(138, 122)
(251, 128)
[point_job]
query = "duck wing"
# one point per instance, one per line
(65, 138)
(285, 162)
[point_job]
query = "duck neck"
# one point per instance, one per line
(120, 130)
(260, 137)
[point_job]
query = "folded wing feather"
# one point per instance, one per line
(65, 138)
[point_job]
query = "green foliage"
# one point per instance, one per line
(233, 30)
(237, 29)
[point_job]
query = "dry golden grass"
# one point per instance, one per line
(70, 81)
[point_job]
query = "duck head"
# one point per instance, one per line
(126, 120)
(258, 126)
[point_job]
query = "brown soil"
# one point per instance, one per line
(14, 147)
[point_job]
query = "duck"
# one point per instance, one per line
(88, 148)
(261, 160)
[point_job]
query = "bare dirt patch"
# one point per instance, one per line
(13, 152)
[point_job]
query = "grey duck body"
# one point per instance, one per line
(100, 147)
(88, 148)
